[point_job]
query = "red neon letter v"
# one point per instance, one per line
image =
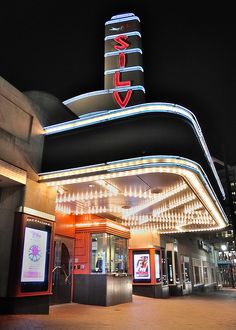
(123, 103)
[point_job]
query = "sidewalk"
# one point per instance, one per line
(211, 311)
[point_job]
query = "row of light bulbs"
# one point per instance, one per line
(88, 195)
(192, 207)
(112, 191)
(161, 212)
(174, 203)
(166, 228)
(169, 219)
(139, 220)
(176, 217)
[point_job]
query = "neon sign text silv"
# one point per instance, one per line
(121, 44)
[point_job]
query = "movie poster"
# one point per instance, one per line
(34, 255)
(141, 266)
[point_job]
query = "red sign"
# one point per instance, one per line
(121, 45)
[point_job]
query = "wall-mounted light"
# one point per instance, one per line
(223, 247)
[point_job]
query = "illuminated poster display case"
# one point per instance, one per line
(35, 256)
(148, 271)
(31, 257)
(141, 267)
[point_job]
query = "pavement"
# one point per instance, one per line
(215, 310)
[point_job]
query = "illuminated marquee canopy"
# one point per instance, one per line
(154, 190)
(166, 194)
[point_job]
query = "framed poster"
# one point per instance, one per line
(141, 266)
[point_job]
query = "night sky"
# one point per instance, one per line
(189, 56)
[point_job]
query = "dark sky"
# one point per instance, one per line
(189, 56)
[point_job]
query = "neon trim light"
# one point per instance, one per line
(126, 51)
(127, 69)
(128, 34)
(122, 18)
(174, 109)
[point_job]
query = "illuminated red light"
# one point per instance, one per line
(121, 45)
(118, 99)
(122, 60)
(119, 83)
(121, 41)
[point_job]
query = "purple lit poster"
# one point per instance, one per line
(141, 266)
(34, 255)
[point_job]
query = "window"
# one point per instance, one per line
(205, 275)
(164, 266)
(197, 271)
(197, 275)
(108, 253)
(177, 277)
(116, 254)
(170, 267)
(98, 253)
(213, 275)
(208, 272)
(185, 269)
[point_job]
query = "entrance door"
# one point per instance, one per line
(61, 274)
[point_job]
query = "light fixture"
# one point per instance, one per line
(223, 247)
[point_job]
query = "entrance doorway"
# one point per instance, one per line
(61, 273)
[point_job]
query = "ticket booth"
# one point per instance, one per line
(101, 263)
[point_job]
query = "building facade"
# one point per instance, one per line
(105, 194)
(224, 241)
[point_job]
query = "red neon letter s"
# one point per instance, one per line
(123, 103)
(121, 41)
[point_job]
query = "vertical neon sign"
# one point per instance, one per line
(121, 44)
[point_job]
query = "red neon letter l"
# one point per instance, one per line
(119, 83)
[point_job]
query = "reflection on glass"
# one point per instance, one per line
(164, 267)
(186, 271)
(108, 254)
(157, 266)
(170, 267)
(197, 274)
